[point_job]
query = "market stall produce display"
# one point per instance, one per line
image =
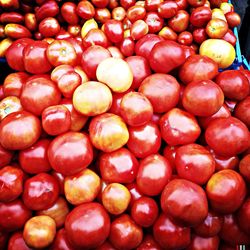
(123, 125)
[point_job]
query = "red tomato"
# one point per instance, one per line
(204, 242)
(196, 3)
(95, 37)
(49, 27)
(199, 35)
(70, 149)
(5, 156)
(34, 58)
(185, 38)
(86, 215)
(16, 241)
(179, 127)
(69, 14)
(135, 13)
(166, 56)
(167, 9)
(227, 136)
(233, 19)
(180, 21)
(16, 31)
(154, 22)
(200, 16)
(113, 30)
(168, 34)
(11, 137)
(216, 28)
(242, 111)
(85, 10)
(14, 54)
(48, 9)
(61, 52)
(139, 29)
(127, 46)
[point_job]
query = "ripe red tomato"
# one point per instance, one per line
(34, 58)
(216, 28)
(135, 13)
(242, 111)
(180, 21)
(69, 14)
(5, 156)
(49, 27)
(166, 56)
(154, 22)
(85, 10)
(113, 30)
(167, 9)
(200, 16)
(70, 149)
(86, 215)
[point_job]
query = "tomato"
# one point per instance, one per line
(199, 35)
(219, 136)
(49, 27)
(216, 28)
(233, 19)
(14, 54)
(185, 38)
(61, 239)
(102, 15)
(10, 135)
(154, 22)
(9, 105)
(5, 156)
(196, 3)
(204, 242)
(11, 17)
(92, 57)
(168, 233)
(4, 45)
(68, 12)
(139, 29)
(166, 56)
(108, 132)
(153, 174)
(191, 212)
(34, 58)
(85, 10)
(118, 13)
(135, 13)
(179, 127)
(95, 37)
(61, 52)
(168, 34)
(16, 31)
(230, 37)
(100, 3)
(113, 30)
(48, 9)
(70, 149)
(200, 16)
(180, 21)
(127, 46)
(39, 93)
(242, 109)
(219, 50)
(167, 9)
(234, 84)
(30, 21)
(16, 241)
(86, 215)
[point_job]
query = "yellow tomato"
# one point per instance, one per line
(88, 25)
(218, 13)
(4, 45)
(219, 50)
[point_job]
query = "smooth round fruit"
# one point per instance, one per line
(108, 132)
(87, 226)
(92, 98)
(70, 153)
(229, 198)
(184, 201)
(39, 231)
(116, 73)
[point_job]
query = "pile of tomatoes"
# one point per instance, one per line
(119, 129)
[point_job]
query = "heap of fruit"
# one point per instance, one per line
(118, 128)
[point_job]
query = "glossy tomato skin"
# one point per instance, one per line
(200, 16)
(10, 135)
(144, 46)
(230, 37)
(34, 160)
(191, 212)
(144, 140)
(180, 21)
(244, 167)
(149, 243)
(48, 9)
(108, 132)
(199, 35)
(185, 38)
(95, 37)
(211, 226)
(86, 216)
(168, 34)
(16, 241)
(92, 57)
(14, 54)
(68, 11)
(13, 83)
(170, 123)
(49, 27)
(135, 13)
(9, 105)
(11, 179)
(125, 233)
(232, 198)
(198, 67)
(153, 174)
(57, 212)
(119, 166)
(216, 28)
(158, 88)
(195, 163)
(154, 22)
(14, 215)
(16, 31)
(144, 211)
(241, 111)
(166, 56)
(198, 242)
(140, 69)
(219, 136)
(167, 9)
(61, 52)
(38, 93)
(113, 30)
(5, 156)
(61, 241)
(234, 84)
(77, 120)
(34, 58)
(70, 153)
(202, 98)
(56, 120)
(168, 233)
(231, 232)
(85, 10)
(127, 46)
(40, 191)
(243, 216)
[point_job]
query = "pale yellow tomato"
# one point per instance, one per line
(219, 50)
(88, 25)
